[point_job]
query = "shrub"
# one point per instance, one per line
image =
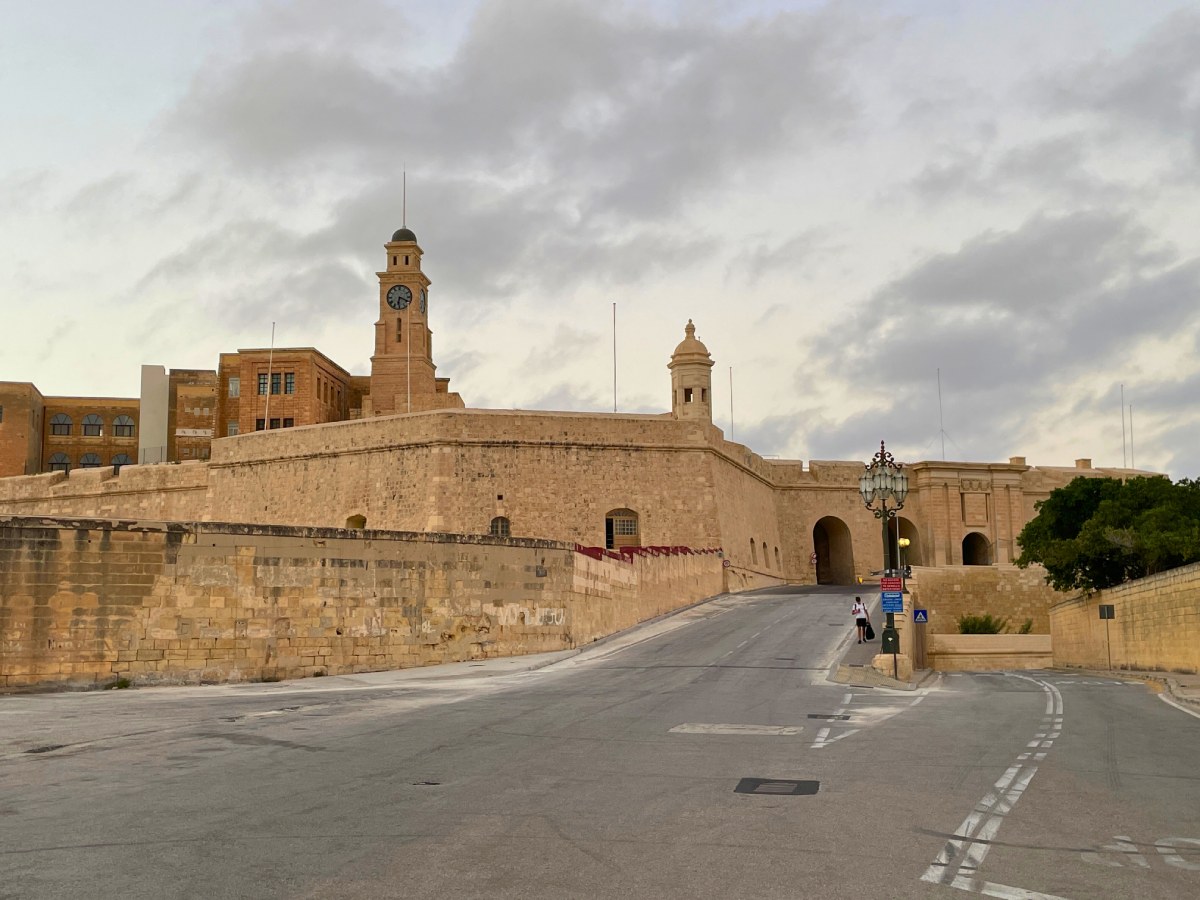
(1027, 627)
(984, 624)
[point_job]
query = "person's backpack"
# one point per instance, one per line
(870, 632)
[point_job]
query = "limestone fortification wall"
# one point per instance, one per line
(1002, 591)
(1155, 625)
(160, 493)
(84, 602)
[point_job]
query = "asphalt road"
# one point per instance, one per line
(611, 773)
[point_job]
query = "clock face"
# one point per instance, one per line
(423, 301)
(398, 296)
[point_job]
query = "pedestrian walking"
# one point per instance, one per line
(861, 618)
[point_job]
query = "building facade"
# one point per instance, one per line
(294, 439)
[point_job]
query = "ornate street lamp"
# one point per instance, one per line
(883, 480)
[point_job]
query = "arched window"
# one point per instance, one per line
(621, 529)
(60, 462)
(60, 424)
(753, 552)
(976, 550)
(93, 425)
(123, 425)
(89, 461)
(358, 521)
(121, 459)
(500, 527)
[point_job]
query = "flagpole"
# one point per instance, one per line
(614, 356)
(270, 362)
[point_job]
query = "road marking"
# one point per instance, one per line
(970, 844)
(703, 728)
(824, 740)
(1165, 699)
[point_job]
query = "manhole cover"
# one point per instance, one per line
(46, 749)
(778, 786)
(831, 718)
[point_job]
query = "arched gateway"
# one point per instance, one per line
(834, 551)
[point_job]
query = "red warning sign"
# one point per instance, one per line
(889, 584)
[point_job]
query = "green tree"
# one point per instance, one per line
(1098, 532)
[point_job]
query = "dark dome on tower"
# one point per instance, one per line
(405, 235)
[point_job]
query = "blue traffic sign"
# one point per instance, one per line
(920, 615)
(893, 602)
(892, 595)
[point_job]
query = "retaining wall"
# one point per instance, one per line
(85, 602)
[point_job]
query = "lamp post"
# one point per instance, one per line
(883, 480)
(902, 545)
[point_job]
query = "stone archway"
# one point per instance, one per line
(913, 554)
(834, 550)
(976, 550)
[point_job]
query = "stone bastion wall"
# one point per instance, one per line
(84, 602)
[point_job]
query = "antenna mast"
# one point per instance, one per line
(270, 362)
(1123, 459)
(941, 424)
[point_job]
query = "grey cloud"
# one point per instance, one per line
(1153, 84)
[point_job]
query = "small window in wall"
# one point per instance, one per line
(60, 424)
(89, 461)
(393, 260)
(289, 382)
(262, 382)
(406, 260)
(778, 564)
(60, 462)
(276, 382)
(274, 423)
(399, 330)
(703, 395)
(500, 527)
(356, 521)
(123, 426)
(288, 423)
(1, 413)
(260, 424)
(93, 425)
(621, 529)
(753, 552)
(235, 386)
(231, 428)
(687, 395)
(121, 459)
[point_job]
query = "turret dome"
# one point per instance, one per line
(690, 345)
(404, 235)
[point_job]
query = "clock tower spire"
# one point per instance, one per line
(402, 371)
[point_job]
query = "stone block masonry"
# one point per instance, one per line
(84, 602)
(1155, 625)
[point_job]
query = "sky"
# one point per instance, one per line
(957, 224)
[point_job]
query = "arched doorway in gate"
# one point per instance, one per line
(976, 550)
(912, 555)
(834, 550)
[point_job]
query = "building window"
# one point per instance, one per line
(262, 382)
(687, 395)
(122, 426)
(274, 423)
(703, 395)
(289, 382)
(121, 459)
(259, 424)
(500, 527)
(276, 381)
(93, 425)
(406, 260)
(60, 424)
(288, 423)
(235, 386)
(399, 331)
(753, 552)
(89, 461)
(231, 428)
(1, 413)
(778, 564)
(60, 462)
(621, 529)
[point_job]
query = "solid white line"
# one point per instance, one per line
(703, 728)
(1165, 699)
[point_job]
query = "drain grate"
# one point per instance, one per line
(829, 717)
(779, 787)
(46, 749)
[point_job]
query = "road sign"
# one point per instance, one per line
(892, 595)
(893, 602)
(888, 583)
(920, 615)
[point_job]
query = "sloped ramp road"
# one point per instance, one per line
(611, 773)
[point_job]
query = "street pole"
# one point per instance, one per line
(882, 480)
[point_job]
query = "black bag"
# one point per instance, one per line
(870, 632)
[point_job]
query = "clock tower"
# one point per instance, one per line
(402, 370)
